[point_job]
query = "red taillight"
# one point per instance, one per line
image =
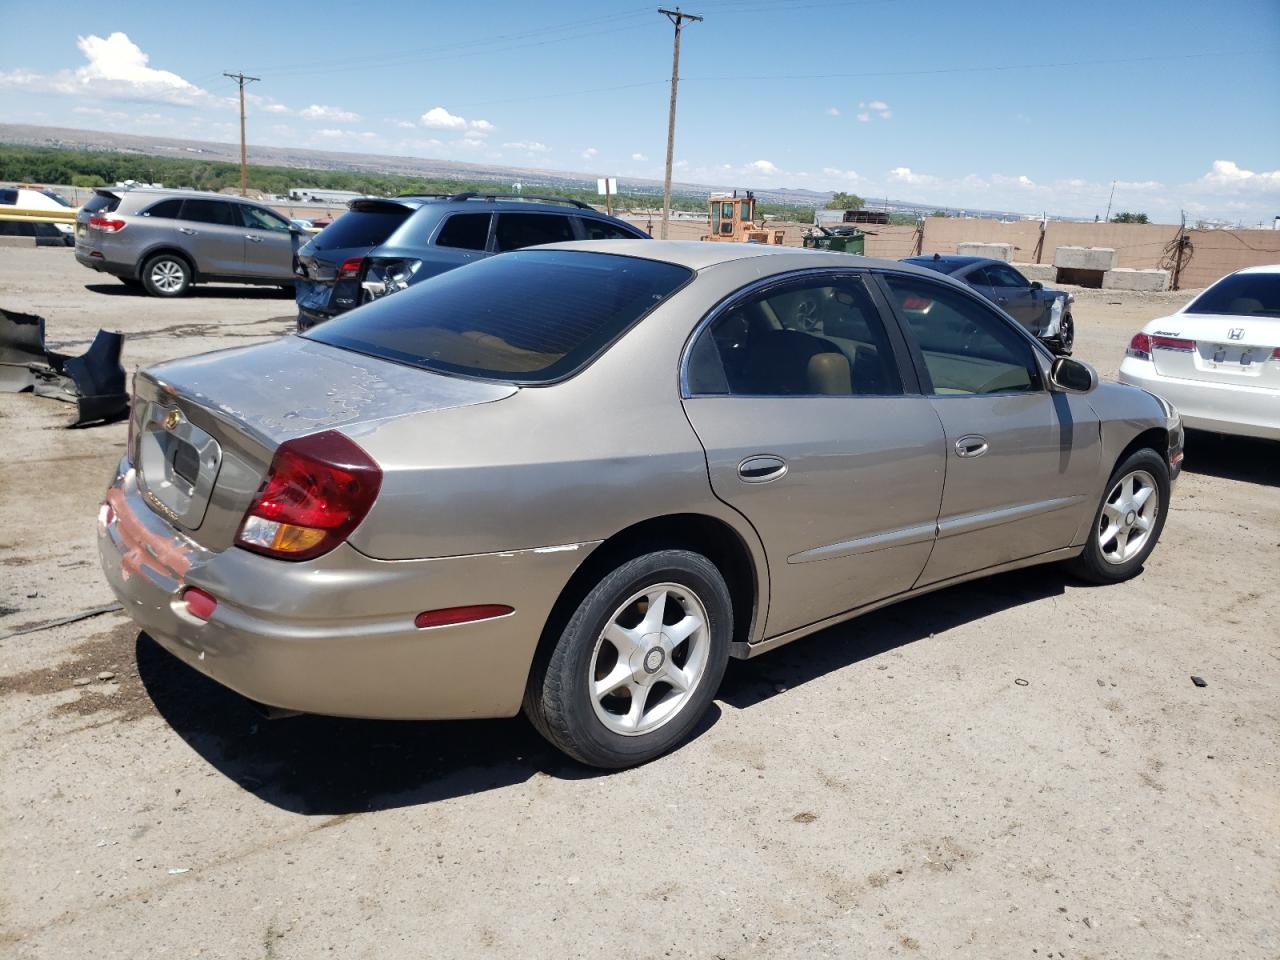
(1172, 343)
(317, 491)
(350, 269)
(1139, 346)
(107, 224)
(199, 604)
(1275, 354)
(452, 615)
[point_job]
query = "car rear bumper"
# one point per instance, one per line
(335, 635)
(1238, 409)
(101, 263)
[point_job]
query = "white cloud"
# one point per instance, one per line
(480, 128)
(1229, 174)
(877, 105)
(274, 108)
(907, 175)
(318, 111)
(438, 118)
(589, 153)
(864, 117)
(333, 133)
(527, 146)
(639, 157)
(840, 174)
(763, 166)
(833, 111)
(886, 114)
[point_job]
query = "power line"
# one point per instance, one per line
(244, 157)
(677, 19)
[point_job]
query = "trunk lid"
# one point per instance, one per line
(206, 427)
(1220, 348)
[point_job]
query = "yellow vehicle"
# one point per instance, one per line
(733, 218)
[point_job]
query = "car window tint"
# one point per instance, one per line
(977, 277)
(9, 196)
(216, 212)
(603, 230)
(466, 231)
(258, 218)
(1002, 276)
(968, 348)
(1242, 295)
(516, 230)
(165, 208)
(101, 203)
(362, 226)
(817, 337)
(531, 316)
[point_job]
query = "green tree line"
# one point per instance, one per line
(90, 168)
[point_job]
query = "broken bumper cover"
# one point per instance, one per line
(335, 635)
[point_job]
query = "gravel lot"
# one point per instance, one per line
(882, 788)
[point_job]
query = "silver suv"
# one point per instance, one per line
(167, 240)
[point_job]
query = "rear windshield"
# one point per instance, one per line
(101, 203)
(527, 317)
(362, 228)
(1242, 294)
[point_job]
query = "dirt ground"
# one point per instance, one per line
(1018, 767)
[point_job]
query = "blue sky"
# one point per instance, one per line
(1007, 104)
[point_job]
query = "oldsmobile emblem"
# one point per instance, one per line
(1235, 333)
(172, 419)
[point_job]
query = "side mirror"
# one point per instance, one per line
(1036, 285)
(1068, 375)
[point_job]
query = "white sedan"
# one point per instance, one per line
(1217, 359)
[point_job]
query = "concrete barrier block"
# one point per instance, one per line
(1085, 258)
(1124, 278)
(17, 241)
(1044, 272)
(992, 251)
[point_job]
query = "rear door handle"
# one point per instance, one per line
(761, 468)
(187, 230)
(252, 239)
(971, 445)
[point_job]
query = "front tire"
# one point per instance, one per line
(638, 663)
(1128, 521)
(1066, 336)
(166, 275)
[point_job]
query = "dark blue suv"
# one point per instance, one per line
(381, 246)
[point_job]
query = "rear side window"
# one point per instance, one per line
(165, 208)
(1241, 295)
(9, 196)
(101, 203)
(516, 230)
(216, 212)
(530, 317)
(362, 227)
(467, 231)
(603, 230)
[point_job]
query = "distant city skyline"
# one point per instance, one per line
(1175, 102)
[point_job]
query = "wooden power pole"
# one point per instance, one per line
(677, 18)
(244, 157)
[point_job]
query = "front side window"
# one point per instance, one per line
(1241, 295)
(216, 212)
(813, 337)
(466, 231)
(256, 218)
(968, 349)
(1002, 276)
(603, 230)
(529, 317)
(518, 230)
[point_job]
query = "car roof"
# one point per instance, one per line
(700, 254)
(157, 192)
(1262, 268)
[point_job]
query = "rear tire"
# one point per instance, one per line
(626, 680)
(166, 275)
(1128, 521)
(1066, 336)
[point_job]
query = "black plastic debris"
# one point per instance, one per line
(94, 381)
(1199, 681)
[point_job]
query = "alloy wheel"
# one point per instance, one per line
(649, 659)
(1128, 516)
(168, 276)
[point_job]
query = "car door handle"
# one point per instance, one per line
(252, 239)
(761, 469)
(971, 446)
(187, 230)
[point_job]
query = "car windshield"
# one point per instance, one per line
(527, 317)
(55, 196)
(1242, 295)
(362, 227)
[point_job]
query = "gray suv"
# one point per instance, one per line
(167, 240)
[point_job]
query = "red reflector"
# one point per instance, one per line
(107, 224)
(350, 269)
(1275, 354)
(450, 615)
(199, 604)
(1176, 458)
(1172, 343)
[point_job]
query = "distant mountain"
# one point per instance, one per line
(68, 138)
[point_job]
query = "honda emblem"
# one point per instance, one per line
(1235, 333)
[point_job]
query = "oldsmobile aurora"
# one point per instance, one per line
(576, 479)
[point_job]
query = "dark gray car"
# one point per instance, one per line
(382, 246)
(167, 240)
(1046, 313)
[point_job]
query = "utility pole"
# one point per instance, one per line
(244, 158)
(677, 18)
(1107, 219)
